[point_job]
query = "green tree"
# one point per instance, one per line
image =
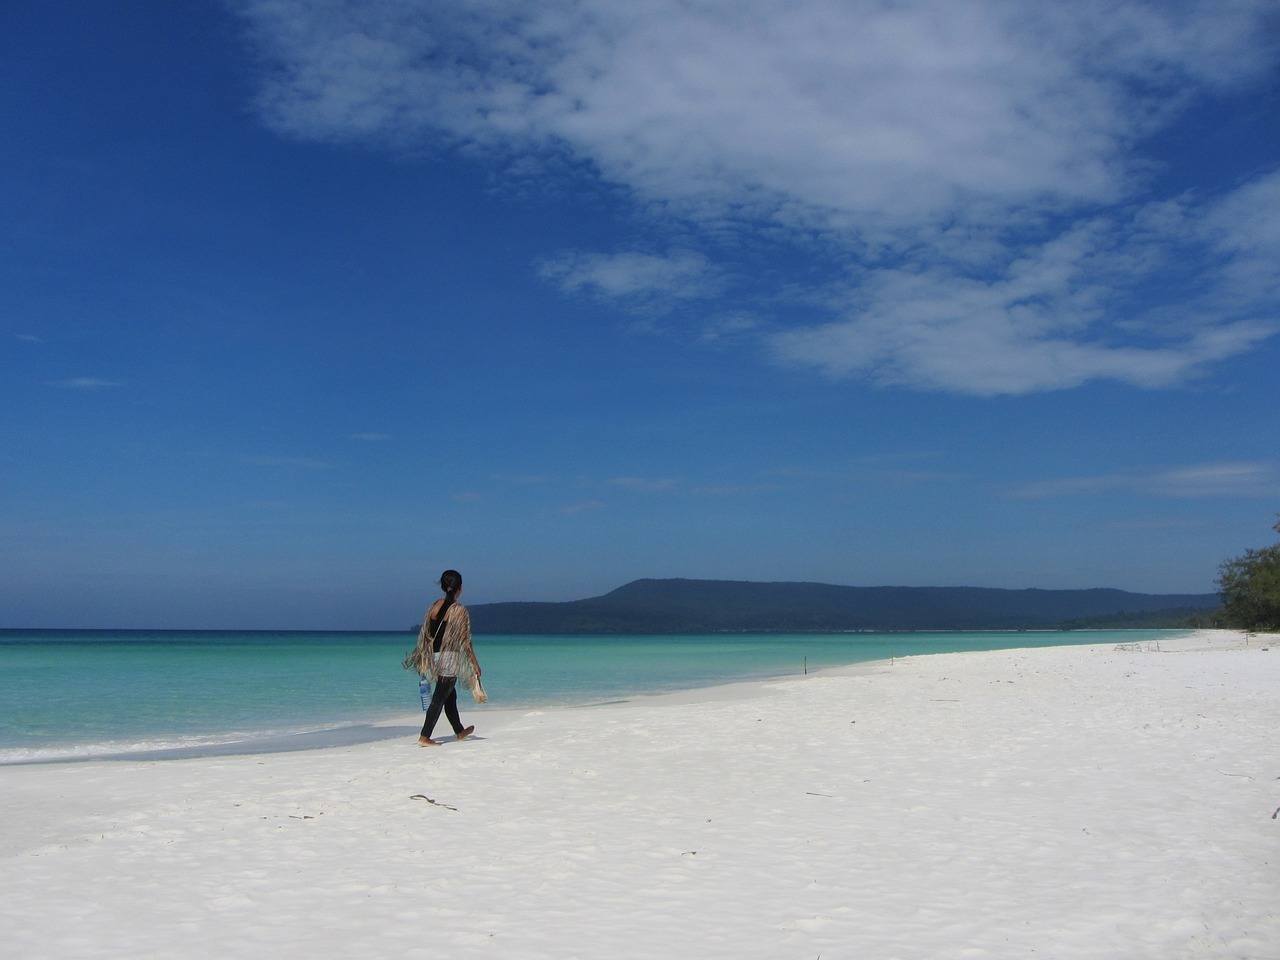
(1250, 586)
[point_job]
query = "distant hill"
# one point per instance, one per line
(712, 606)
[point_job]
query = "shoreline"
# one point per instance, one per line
(403, 724)
(1076, 801)
(371, 729)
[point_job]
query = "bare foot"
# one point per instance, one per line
(466, 732)
(428, 742)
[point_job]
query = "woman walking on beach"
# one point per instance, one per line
(444, 654)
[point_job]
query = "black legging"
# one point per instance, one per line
(446, 696)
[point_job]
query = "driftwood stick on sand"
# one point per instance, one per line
(434, 803)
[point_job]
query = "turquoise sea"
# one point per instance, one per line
(80, 694)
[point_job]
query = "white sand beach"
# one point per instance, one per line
(1066, 802)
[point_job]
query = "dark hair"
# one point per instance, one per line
(450, 583)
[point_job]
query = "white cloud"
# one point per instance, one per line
(974, 164)
(1156, 524)
(639, 277)
(369, 437)
(883, 114)
(1219, 480)
(644, 484)
(1228, 479)
(85, 383)
(28, 338)
(1245, 228)
(731, 327)
(1065, 312)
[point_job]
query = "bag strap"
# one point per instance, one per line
(440, 621)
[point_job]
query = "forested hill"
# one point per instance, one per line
(709, 606)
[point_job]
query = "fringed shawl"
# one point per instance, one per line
(455, 647)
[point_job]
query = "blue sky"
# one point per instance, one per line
(303, 302)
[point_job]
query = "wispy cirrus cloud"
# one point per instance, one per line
(85, 383)
(28, 338)
(973, 166)
(1156, 523)
(735, 489)
(524, 479)
(639, 278)
(1226, 479)
(874, 468)
(582, 506)
(301, 463)
(1243, 228)
(894, 114)
(731, 328)
(1072, 309)
(369, 437)
(644, 484)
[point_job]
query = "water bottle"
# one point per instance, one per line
(424, 692)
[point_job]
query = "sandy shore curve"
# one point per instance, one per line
(1070, 802)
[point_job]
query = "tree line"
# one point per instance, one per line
(1250, 587)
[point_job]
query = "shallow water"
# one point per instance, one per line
(76, 694)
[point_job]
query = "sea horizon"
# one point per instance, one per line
(359, 631)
